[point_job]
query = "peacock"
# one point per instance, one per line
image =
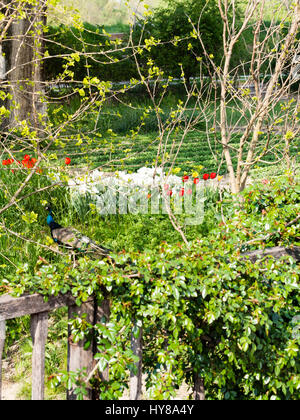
(72, 239)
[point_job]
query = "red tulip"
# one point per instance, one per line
(170, 192)
(206, 177)
(181, 192)
(213, 175)
(27, 163)
(67, 161)
(196, 180)
(185, 178)
(7, 162)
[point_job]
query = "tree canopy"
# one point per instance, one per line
(176, 25)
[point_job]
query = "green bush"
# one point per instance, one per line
(88, 52)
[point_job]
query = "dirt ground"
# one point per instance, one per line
(11, 390)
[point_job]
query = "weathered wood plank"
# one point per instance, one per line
(276, 252)
(78, 358)
(11, 307)
(39, 331)
(2, 342)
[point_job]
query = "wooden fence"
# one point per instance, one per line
(35, 306)
(78, 358)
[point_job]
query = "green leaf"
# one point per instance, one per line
(102, 363)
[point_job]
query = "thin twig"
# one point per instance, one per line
(17, 235)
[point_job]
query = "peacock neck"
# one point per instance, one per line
(51, 223)
(49, 218)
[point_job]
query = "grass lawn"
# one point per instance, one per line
(130, 154)
(120, 137)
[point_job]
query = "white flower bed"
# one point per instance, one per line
(105, 190)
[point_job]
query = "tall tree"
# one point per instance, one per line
(23, 46)
(176, 50)
(260, 107)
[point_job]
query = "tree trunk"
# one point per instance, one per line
(24, 53)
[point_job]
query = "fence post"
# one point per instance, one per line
(135, 383)
(199, 391)
(39, 331)
(2, 341)
(78, 358)
(102, 317)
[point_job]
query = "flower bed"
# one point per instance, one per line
(110, 193)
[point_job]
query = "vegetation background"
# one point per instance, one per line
(205, 313)
(112, 12)
(99, 12)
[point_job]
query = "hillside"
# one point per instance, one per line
(111, 12)
(97, 12)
